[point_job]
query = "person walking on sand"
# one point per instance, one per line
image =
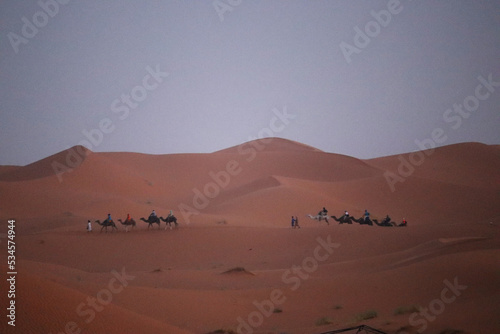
(89, 226)
(297, 222)
(293, 222)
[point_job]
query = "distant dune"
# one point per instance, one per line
(234, 208)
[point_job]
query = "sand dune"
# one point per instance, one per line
(234, 208)
(470, 164)
(57, 309)
(67, 159)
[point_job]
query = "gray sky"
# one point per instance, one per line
(199, 76)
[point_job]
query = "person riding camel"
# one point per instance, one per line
(387, 219)
(346, 215)
(367, 215)
(109, 218)
(128, 217)
(323, 212)
(153, 214)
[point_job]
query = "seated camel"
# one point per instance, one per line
(363, 221)
(343, 219)
(385, 222)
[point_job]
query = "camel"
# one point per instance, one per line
(319, 218)
(362, 221)
(127, 223)
(342, 220)
(391, 223)
(107, 223)
(169, 220)
(384, 222)
(152, 220)
(370, 222)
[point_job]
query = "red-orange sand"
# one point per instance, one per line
(235, 263)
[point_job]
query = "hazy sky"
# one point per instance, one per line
(362, 78)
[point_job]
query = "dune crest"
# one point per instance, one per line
(272, 144)
(65, 160)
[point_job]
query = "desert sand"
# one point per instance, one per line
(234, 263)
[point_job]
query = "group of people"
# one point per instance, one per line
(153, 214)
(295, 222)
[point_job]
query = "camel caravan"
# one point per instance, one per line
(364, 220)
(171, 221)
(130, 222)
